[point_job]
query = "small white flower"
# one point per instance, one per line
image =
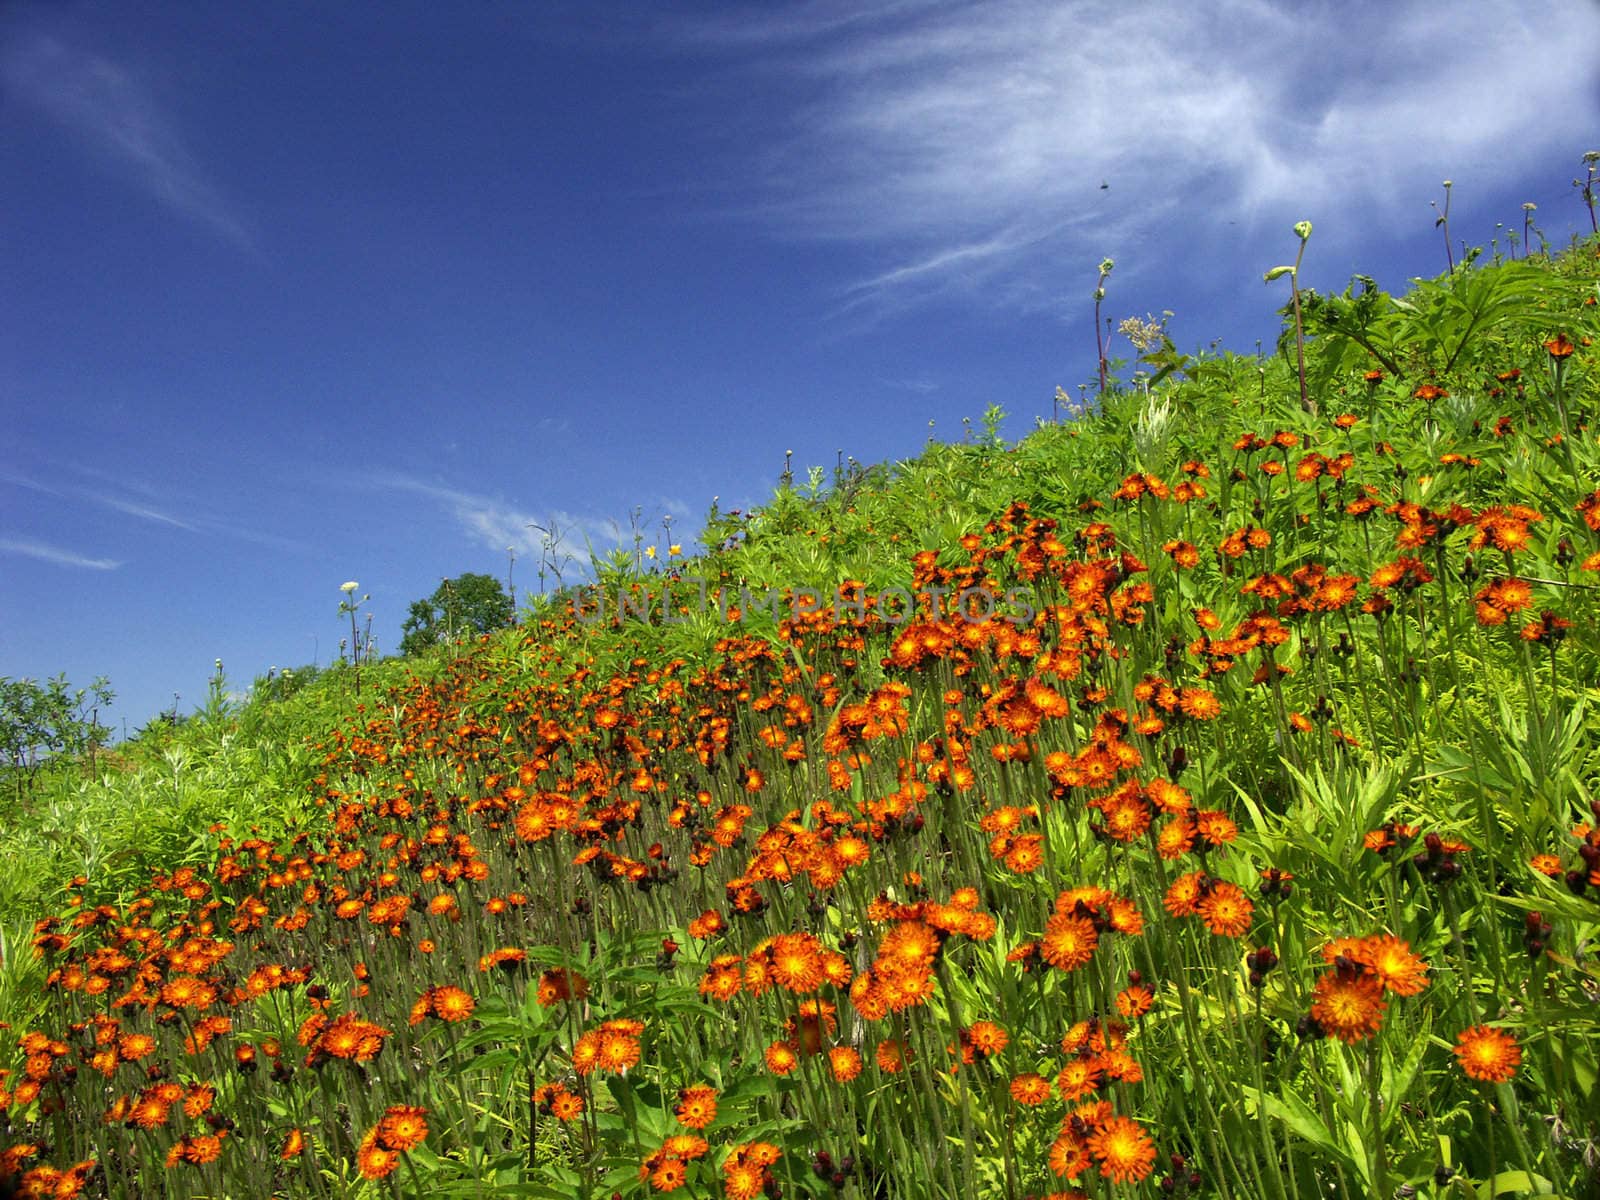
(349, 587)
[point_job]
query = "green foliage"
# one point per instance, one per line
(41, 721)
(468, 606)
(1359, 746)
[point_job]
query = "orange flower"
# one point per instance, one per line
(697, 1106)
(1490, 1055)
(1069, 1154)
(845, 1062)
(686, 1146)
(707, 925)
(1183, 894)
(1123, 1150)
(559, 984)
(1348, 1004)
(986, 1038)
(372, 1160)
(452, 1003)
(796, 962)
(1226, 910)
(782, 1058)
(1030, 1089)
(1069, 942)
(619, 1050)
(1391, 960)
(1135, 1001)
(891, 1056)
(671, 1175)
(1078, 1078)
(566, 1106)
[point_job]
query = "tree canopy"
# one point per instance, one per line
(39, 721)
(465, 606)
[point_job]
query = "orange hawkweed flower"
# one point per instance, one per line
(558, 984)
(1199, 704)
(586, 1053)
(1026, 854)
(707, 925)
(452, 1004)
(686, 1146)
(402, 1127)
(782, 1058)
(1226, 910)
(1348, 1004)
(1183, 894)
(372, 1160)
(1391, 960)
(1069, 941)
(1030, 1089)
(1078, 1078)
(1123, 1150)
(796, 962)
(507, 958)
(618, 1051)
(1135, 1001)
(845, 1062)
(697, 1106)
(986, 1038)
(1069, 1154)
(891, 1056)
(566, 1106)
(671, 1175)
(1490, 1055)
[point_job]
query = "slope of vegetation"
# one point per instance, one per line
(1195, 798)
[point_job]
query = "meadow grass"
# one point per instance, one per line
(1256, 858)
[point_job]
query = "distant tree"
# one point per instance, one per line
(462, 607)
(40, 721)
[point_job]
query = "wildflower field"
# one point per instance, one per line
(1248, 849)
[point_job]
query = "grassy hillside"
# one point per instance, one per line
(1195, 797)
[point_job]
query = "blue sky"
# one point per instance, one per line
(301, 293)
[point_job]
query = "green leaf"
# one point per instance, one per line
(1516, 1181)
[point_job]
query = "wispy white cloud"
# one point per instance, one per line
(143, 511)
(44, 552)
(922, 387)
(966, 141)
(146, 506)
(117, 117)
(497, 524)
(132, 508)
